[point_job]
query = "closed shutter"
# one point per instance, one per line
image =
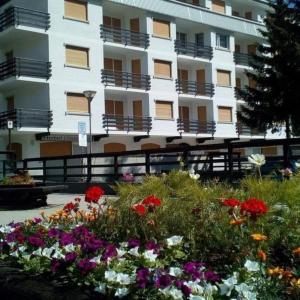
(183, 75)
(10, 103)
(252, 83)
(119, 108)
(196, 2)
(241, 151)
(55, 149)
(269, 151)
(252, 49)
(161, 28)
(137, 108)
(112, 22)
(136, 66)
(248, 15)
(114, 147)
(108, 64)
(237, 48)
(184, 113)
(238, 83)
(135, 25)
(77, 103)
(202, 114)
(218, 6)
(76, 9)
(150, 146)
(162, 68)
(235, 13)
(225, 114)
(201, 76)
(109, 107)
(164, 109)
(223, 78)
(17, 148)
(77, 56)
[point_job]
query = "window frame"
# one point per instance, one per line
(172, 110)
(231, 114)
(218, 41)
(77, 66)
(162, 76)
(75, 19)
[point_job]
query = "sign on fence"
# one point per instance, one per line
(82, 137)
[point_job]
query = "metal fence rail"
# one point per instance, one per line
(195, 88)
(14, 16)
(192, 49)
(124, 36)
(243, 59)
(196, 126)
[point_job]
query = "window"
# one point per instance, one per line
(161, 28)
(77, 103)
(114, 108)
(77, 56)
(180, 36)
(76, 9)
(248, 15)
(164, 110)
(199, 39)
(222, 41)
(218, 6)
(223, 78)
(55, 149)
(225, 114)
(162, 69)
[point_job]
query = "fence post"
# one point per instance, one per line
(230, 160)
(185, 157)
(4, 168)
(286, 161)
(147, 163)
(89, 169)
(116, 167)
(44, 171)
(65, 169)
(25, 165)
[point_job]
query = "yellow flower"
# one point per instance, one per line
(275, 271)
(296, 251)
(237, 221)
(259, 237)
(295, 282)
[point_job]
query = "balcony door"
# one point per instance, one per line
(138, 115)
(114, 65)
(136, 73)
(184, 116)
(237, 48)
(238, 83)
(202, 118)
(200, 77)
(10, 103)
(115, 25)
(115, 112)
(252, 49)
(135, 29)
(182, 40)
(183, 77)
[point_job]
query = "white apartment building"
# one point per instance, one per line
(165, 72)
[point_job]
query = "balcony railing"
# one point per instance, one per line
(124, 36)
(191, 3)
(22, 16)
(243, 129)
(123, 123)
(32, 118)
(243, 59)
(192, 49)
(195, 88)
(196, 126)
(25, 67)
(126, 80)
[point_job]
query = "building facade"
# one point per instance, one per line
(165, 72)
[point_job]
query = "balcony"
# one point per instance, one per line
(243, 59)
(30, 118)
(194, 50)
(123, 123)
(25, 67)
(126, 80)
(238, 93)
(195, 88)
(196, 126)
(15, 16)
(242, 129)
(194, 3)
(124, 37)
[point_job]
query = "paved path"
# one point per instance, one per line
(55, 202)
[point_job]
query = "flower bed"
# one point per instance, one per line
(169, 238)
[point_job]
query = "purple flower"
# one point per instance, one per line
(85, 266)
(163, 281)
(184, 288)
(110, 251)
(66, 239)
(35, 240)
(142, 276)
(55, 264)
(211, 276)
(80, 231)
(192, 268)
(132, 243)
(53, 232)
(70, 257)
(153, 246)
(37, 220)
(92, 245)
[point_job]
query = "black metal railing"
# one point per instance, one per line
(124, 36)
(195, 88)
(126, 80)
(14, 16)
(199, 4)
(192, 49)
(242, 129)
(243, 59)
(125, 123)
(22, 117)
(25, 67)
(196, 126)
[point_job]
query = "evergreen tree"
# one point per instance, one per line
(275, 99)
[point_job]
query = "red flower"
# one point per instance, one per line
(254, 207)
(140, 209)
(93, 194)
(231, 202)
(71, 206)
(151, 201)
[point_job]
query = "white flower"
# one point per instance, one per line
(257, 159)
(22, 249)
(195, 287)
(172, 293)
(297, 165)
(193, 175)
(251, 266)
(228, 285)
(6, 229)
(58, 254)
(37, 252)
(174, 240)
(101, 288)
(175, 271)
(123, 278)
(110, 275)
(121, 252)
(150, 255)
(245, 291)
(96, 259)
(134, 251)
(124, 245)
(121, 292)
(69, 248)
(196, 297)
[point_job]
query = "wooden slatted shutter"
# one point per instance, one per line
(225, 114)
(107, 21)
(218, 6)
(77, 56)
(252, 49)
(269, 151)
(238, 83)
(77, 103)
(108, 64)
(161, 28)
(248, 15)
(10, 103)
(183, 76)
(114, 147)
(150, 146)
(138, 114)
(252, 83)
(136, 71)
(109, 107)
(196, 2)
(202, 115)
(184, 116)
(235, 13)
(237, 48)
(135, 25)
(76, 9)
(162, 68)
(164, 109)
(55, 149)
(223, 78)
